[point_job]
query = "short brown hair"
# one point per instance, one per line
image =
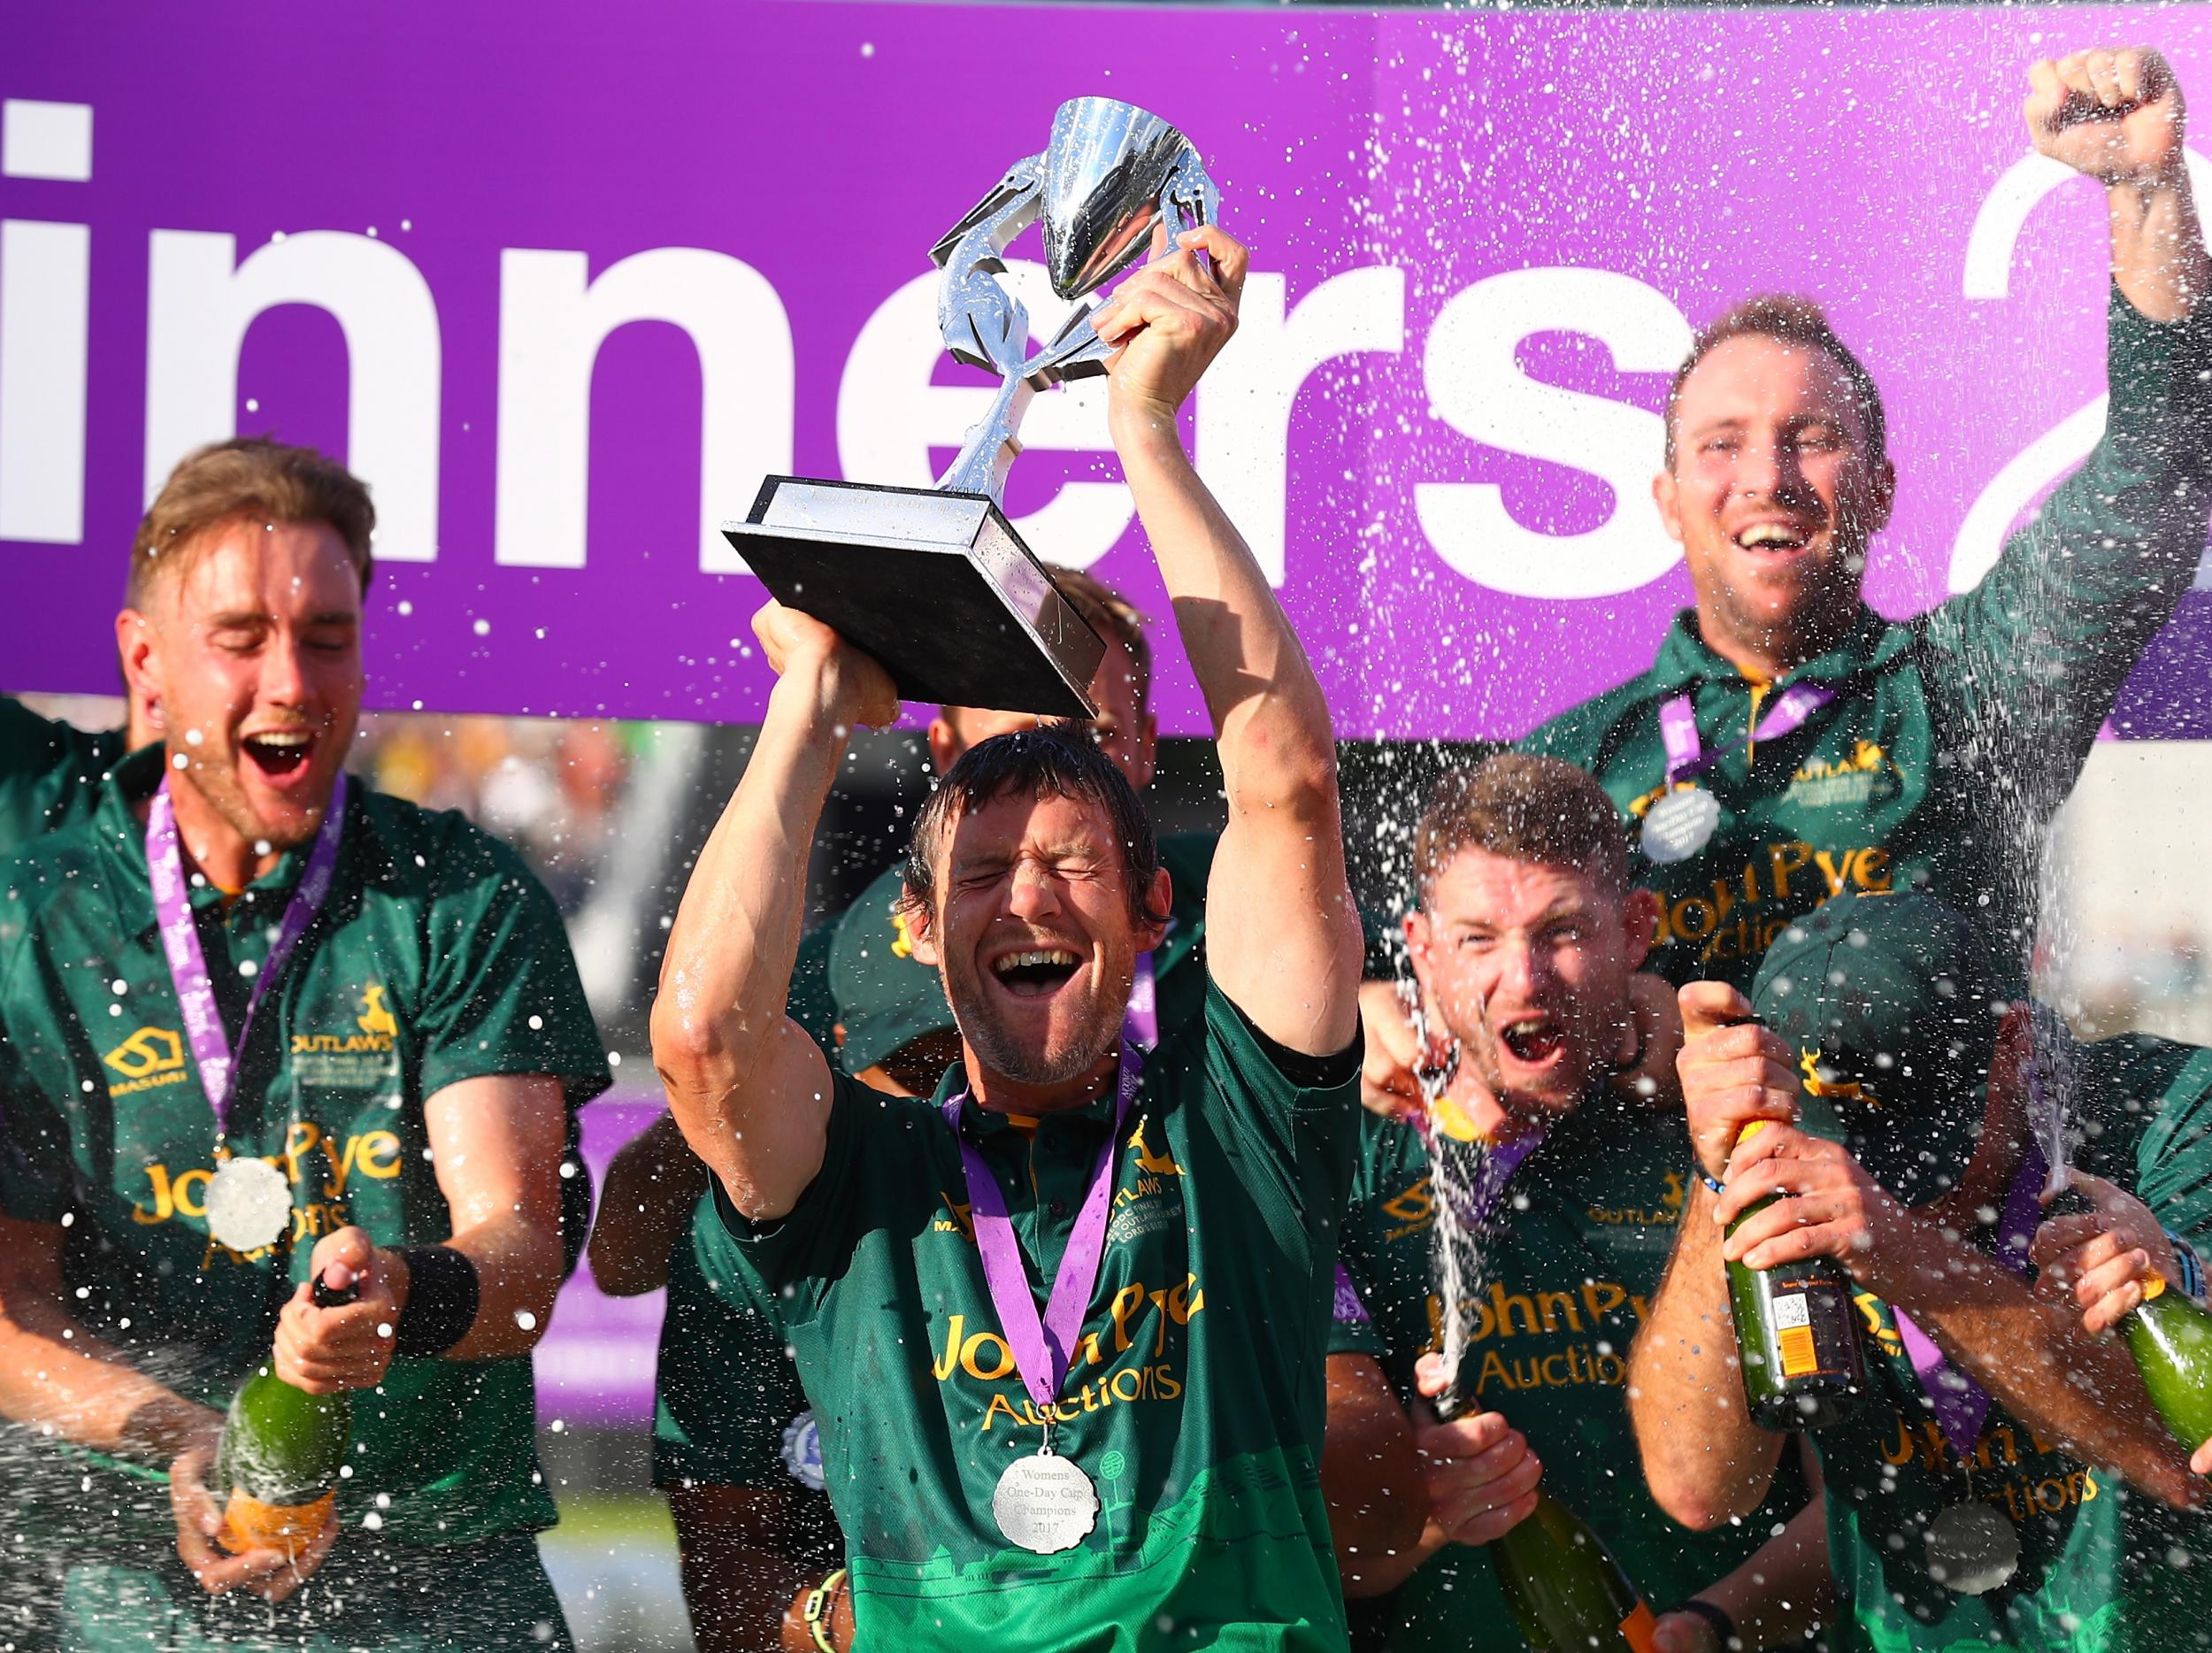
(1525, 807)
(247, 478)
(1051, 760)
(1792, 320)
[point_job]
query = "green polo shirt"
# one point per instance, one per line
(2095, 1575)
(1953, 733)
(49, 772)
(437, 958)
(727, 1408)
(1196, 1401)
(1580, 1238)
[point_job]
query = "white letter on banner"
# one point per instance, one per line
(889, 416)
(1991, 245)
(1478, 388)
(1245, 400)
(553, 318)
(45, 309)
(198, 309)
(45, 297)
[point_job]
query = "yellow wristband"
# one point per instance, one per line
(821, 1609)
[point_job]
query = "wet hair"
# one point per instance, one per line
(1525, 807)
(1051, 760)
(1790, 320)
(1112, 616)
(248, 478)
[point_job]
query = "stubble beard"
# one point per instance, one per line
(1004, 1055)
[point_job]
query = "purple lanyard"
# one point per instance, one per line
(181, 938)
(1042, 1348)
(1141, 1022)
(1473, 1209)
(1960, 1404)
(1677, 728)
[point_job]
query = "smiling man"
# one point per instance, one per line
(1063, 1325)
(257, 1023)
(1788, 743)
(1525, 942)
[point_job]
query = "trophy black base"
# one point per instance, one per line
(938, 587)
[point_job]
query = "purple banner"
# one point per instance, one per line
(595, 1361)
(564, 282)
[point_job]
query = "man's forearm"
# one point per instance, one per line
(2080, 1392)
(652, 1186)
(1271, 721)
(1786, 1589)
(2158, 254)
(1704, 1458)
(57, 1379)
(517, 1275)
(727, 974)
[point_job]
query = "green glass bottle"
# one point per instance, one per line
(1797, 1338)
(2171, 1341)
(1566, 1592)
(280, 1457)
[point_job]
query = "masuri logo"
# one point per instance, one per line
(149, 1059)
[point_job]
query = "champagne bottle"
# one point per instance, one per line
(1566, 1592)
(1796, 1337)
(2171, 1341)
(281, 1453)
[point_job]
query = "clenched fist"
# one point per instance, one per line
(2114, 113)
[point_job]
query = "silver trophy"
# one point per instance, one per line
(933, 581)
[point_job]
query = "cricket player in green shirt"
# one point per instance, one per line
(1975, 1494)
(1788, 743)
(258, 1023)
(1140, 1460)
(1525, 942)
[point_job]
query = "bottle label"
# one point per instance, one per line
(249, 1524)
(1793, 1335)
(1639, 1630)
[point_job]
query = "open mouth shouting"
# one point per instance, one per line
(1035, 973)
(1533, 1041)
(279, 755)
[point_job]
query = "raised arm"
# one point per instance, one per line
(1282, 936)
(748, 1090)
(2037, 653)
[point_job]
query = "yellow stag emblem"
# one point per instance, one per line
(374, 1017)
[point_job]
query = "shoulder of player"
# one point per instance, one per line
(1580, 734)
(407, 853)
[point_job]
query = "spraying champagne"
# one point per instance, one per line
(280, 1455)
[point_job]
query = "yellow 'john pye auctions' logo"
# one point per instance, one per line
(149, 1059)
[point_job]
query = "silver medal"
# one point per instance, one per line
(248, 1204)
(1679, 825)
(1044, 1504)
(1971, 1548)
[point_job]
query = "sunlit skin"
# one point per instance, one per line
(1016, 876)
(1527, 965)
(253, 653)
(1125, 730)
(1771, 442)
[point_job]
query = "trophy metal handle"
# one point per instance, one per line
(985, 326)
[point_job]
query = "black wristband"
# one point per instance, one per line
(442, 1295)
(1716, 1617)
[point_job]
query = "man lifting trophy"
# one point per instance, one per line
(934, 582)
